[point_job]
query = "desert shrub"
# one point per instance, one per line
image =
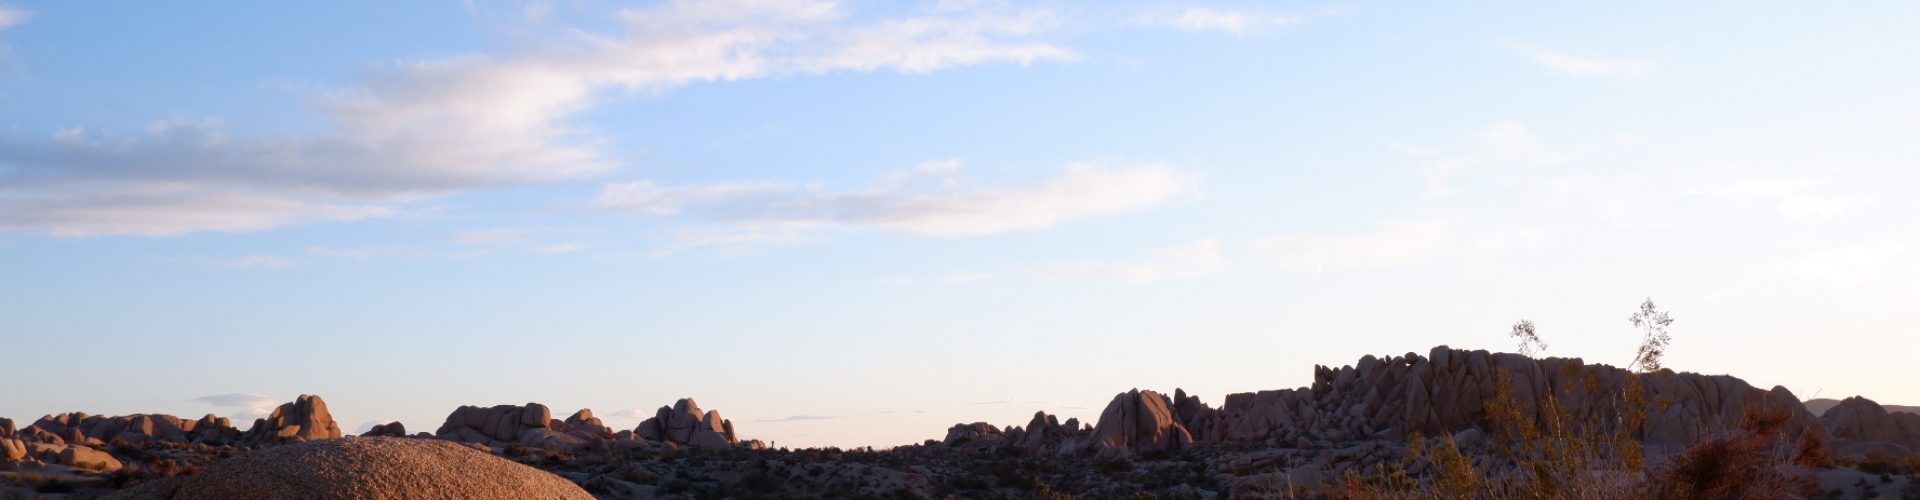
(1742, 465)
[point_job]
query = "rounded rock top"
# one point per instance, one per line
(364, 468)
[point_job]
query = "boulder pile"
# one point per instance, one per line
(139, 429)
(683, 424)
(304, 419)
(1445, 392)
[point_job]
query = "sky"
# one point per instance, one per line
(859, 223)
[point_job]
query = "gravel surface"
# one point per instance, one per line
(366, 468)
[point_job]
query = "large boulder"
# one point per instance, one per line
(1861, 419)
(6, 428)
(87, 458)
(363, 468)
(1139, 422)
(684, 424)
(304, 419)
(390, 429)
(12, 450)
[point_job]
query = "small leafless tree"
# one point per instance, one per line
(1530, 343)
(1652, 323)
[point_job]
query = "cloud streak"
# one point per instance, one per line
(1585, 67)
(931, 201)
(437, 126)
(1206, 20)
(244, 405)
(1194, 260)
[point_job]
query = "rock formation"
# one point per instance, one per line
(684, 425)
(304, 419)
(139, 429)
(976, 433)
(1445, 392)
(375, 467)
(390, 429)
(1139, 422)
(1046, 435)
(532, 426)
(1861, 419)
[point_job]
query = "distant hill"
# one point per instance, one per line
(1819, 407)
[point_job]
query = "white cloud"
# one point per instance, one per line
(1201, 19)
(630, 413)
(1194, 260)
(244, 406)
(160, 209)
(1399, 243)
(1586, 67)
(11, 16)
(436, 126)
(904, 202)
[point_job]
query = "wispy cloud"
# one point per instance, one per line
(1398, 243)
(1202, 19)
(1198, 259)
(1585, 67)
(629, 413)
(12, 16)
(929, 201)
(242, 405)
(436, 126)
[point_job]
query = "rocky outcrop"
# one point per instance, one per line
(377, 467)
(974, 434)
(304, 419)
(1046, 435)
(1861, 419)
(1448, 392)
(6, 428)
(135, 430)
(1139, 422)
(683, 424)
(390, 429)
(532, 426)
(497, 424)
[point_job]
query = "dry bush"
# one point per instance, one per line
(1739, 466)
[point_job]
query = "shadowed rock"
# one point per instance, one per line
(390, 429)
(1138, 422)
(363, 468)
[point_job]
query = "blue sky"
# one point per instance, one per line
(887, 218)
